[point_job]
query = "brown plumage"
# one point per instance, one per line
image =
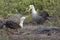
(12, 25)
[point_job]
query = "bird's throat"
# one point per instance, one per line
(33, 11)
(21, 24)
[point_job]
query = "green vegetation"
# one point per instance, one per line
(9, 7)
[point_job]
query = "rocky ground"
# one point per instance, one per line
(30, 32)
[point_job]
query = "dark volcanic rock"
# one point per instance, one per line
(46, 30)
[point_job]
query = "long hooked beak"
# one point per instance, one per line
(27, 16)
(29, 10)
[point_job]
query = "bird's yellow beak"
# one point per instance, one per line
(29, 10)
(27, 16)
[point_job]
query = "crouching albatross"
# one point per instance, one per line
(13, 24)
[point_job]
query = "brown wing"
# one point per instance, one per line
(15, 18)
(44, 14)
(12, 25)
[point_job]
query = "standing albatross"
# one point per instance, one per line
(13, 25)
(38, 17)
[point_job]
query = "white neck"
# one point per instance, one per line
(33, 11)
(21, 23)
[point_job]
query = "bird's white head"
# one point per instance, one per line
(31, 6)
(22, 18)
(21, 21)
(33, 9)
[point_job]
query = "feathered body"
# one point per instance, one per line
(15, 18)
(12, 25)
(39, 17)
(15, 21)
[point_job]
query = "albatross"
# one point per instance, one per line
(38, 17)
(12, 22)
